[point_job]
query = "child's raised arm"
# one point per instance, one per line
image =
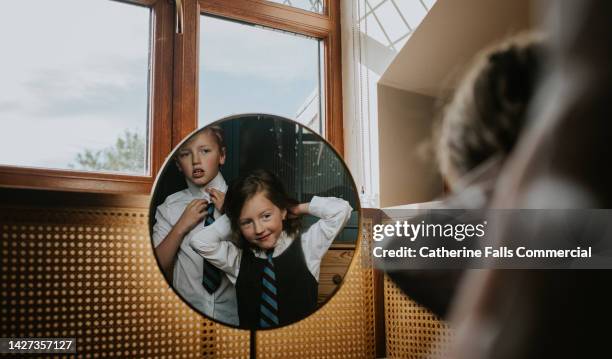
(215, 245)
(334, 213)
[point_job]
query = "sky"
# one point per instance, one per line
(70, 82)
(244, 68)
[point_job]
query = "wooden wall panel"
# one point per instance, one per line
(334, 266)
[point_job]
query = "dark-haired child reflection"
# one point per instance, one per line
(274, 266)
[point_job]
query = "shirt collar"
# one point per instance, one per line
(283, 242)
(217, 183)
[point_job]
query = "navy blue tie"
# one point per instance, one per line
(268, 316)
(211, 278)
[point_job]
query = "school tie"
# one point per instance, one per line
(211, 278)
(269, 305)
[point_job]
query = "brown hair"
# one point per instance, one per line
(245, 187)
(488, 110)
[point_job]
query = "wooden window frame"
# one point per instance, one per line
(174, 87)
(162, 22)
(325, 27)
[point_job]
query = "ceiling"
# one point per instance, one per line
(432, 60)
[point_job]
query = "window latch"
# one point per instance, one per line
(178, 8)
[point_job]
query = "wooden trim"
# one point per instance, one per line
(378, 278)
(54, 199)
(334, 128)
(160, 121)
(344, 246)
(160, 131)
(20, 177)
(266, 13)
(186, 69)
(146, 3)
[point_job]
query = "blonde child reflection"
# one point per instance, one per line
(187, 212)
(275, 267)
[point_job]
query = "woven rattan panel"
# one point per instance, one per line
(343, 328)
(412, 331)
(91, 274)
(220, 341)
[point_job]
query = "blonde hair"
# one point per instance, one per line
(217, 133)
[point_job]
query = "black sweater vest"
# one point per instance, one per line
(297, 289)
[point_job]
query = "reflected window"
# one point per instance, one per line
(74, 90)
(252, 69)
(308, 5)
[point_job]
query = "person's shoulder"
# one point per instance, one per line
(177, 198)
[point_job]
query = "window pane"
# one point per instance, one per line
(250, 69)
(310, 5)
(74, 89)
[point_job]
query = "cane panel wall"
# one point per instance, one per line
(412, 332)
(90, 273)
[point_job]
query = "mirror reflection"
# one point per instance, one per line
(254, 221)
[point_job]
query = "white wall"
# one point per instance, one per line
(408, 170)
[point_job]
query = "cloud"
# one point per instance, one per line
(10, 106)
(55, 65)
(240, 49)
(117, 88)
(55, 111)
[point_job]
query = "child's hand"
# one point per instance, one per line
(194, 213)
(297, 210)
(217, 197)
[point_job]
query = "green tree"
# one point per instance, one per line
(127, 155)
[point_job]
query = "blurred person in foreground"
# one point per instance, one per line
(562, 162)
(478, 130)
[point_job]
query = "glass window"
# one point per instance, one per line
(74, 90)
(309, 5)
(392, 22)
(252, 69)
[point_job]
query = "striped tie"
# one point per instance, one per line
(269, 304)
(211, 278)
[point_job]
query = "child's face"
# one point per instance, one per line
(261, 221)
(199, 159)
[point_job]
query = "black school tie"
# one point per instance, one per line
(212, 275)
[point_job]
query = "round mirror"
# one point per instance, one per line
(254, 221)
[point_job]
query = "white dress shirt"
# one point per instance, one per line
(213, 243)
(188, 268)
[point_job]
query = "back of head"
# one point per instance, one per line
(488, 110)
